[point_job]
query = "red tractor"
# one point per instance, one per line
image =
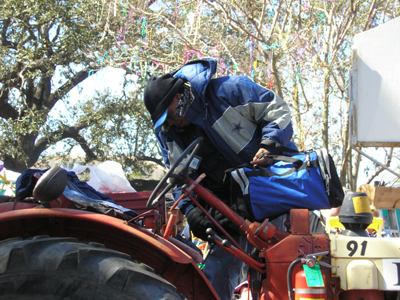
(50, 248)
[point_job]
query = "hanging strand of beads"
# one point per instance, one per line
(251, 58)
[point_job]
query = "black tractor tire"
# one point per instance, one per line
(65, 268)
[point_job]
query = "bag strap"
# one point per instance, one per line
(283, 149)
(276, 158)
(241, 179)
(287, 159)
(241, 176)
(323, 159)
(261, 171)
(245, 165)
(327, 161)
(321, 164)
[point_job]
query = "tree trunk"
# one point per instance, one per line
(346, 152)
(325, 115)
(356, 167)
(296, 113)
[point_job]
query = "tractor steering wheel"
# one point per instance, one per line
(177, 174)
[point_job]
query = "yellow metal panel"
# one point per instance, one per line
(333, 222)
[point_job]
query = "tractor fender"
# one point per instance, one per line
(142, 245)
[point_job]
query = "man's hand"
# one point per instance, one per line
(198, 223)
(261, 158)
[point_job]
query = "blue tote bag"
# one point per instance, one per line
(303, 180)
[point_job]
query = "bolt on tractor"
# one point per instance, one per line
(50, 248)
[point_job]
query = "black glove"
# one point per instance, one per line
(199, 223)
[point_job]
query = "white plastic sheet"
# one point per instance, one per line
(107, 177)
(7, 181)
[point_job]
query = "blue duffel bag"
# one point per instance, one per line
(305, 180)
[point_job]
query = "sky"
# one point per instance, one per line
(379, 155)
(107, 78)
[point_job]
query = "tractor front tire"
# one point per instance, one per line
(65, 268)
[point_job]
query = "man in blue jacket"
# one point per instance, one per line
(238, 119)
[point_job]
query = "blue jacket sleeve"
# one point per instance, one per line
(162, 143)
(263, 107)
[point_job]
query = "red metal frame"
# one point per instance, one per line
(19, 219)
(137, 202)
(277, 248)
